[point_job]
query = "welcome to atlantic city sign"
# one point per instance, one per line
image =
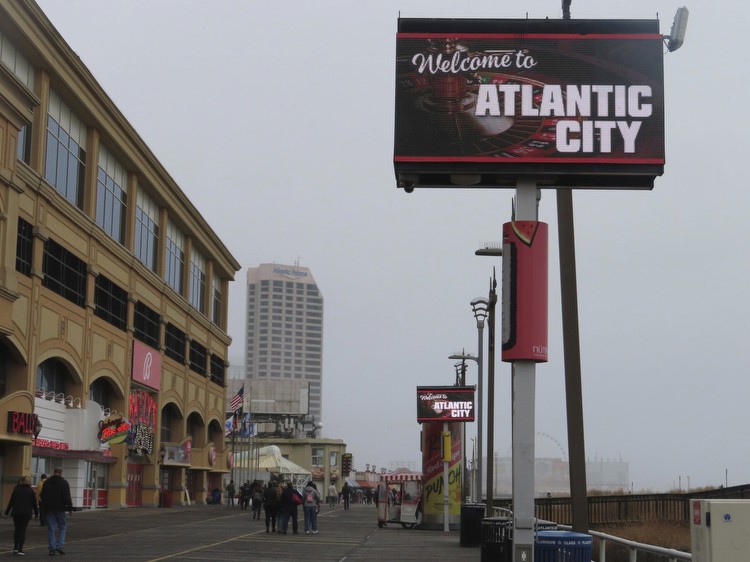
(575, 103)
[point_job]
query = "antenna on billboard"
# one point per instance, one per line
(676, 36)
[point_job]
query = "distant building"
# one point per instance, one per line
(284, 337)
(235, 371)
(552, 475)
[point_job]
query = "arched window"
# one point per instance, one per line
(101, 393)
(51, 376)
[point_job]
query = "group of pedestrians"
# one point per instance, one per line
(280, 503)
(49, 504)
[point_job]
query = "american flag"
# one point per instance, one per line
(238, 399)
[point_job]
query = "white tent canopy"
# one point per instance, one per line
(269, 459)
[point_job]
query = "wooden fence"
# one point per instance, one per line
(630, 508)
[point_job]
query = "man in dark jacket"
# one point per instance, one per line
(56, 501)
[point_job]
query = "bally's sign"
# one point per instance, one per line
(146, 365)
(485, 101)
(445, 403)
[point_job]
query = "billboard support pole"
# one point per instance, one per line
(572, 360)
(446, 492)
(524, 387)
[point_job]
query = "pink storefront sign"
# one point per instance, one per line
(146, 365)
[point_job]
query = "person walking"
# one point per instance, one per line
(290, 499)
(231, 491)
(332, 495)
(345, 491)
(39, 486)
(22, 504)
(257, 499)
(311, 508)
(56, 501)
(270, 503)
(279, 509)
(244, 496)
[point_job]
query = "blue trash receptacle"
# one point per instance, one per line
(562, 546)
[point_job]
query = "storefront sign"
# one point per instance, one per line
(178, 455)
(142, 410)
(22, 422)
(146, 365)
(47, 444)
(114, 430)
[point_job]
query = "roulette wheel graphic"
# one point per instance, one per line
(445, 105)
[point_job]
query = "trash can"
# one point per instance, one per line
(497, 539)
(471, 523)
(562, 546)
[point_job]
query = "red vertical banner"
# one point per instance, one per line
(432, 471)
(525, 294)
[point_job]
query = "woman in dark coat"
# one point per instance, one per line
(270, 503)
(22, 503)
(290, 499)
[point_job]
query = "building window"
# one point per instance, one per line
(24, 144)
(216, 300)
(65, 164)
(317, 456)
(64, 273)
(175, 261)
(167, 417)
(198, 358)
(51, 376)
(197, 280)
(111, 302)
(147, 324)
(174, 343)
(16, 62)
(218, 370)
(101, 393)
(24, 247)
(146, 230)
(111, 198)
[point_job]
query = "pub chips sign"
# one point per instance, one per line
(569, 103)
(445, 404)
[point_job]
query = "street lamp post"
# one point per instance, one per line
(461, 368)
(494, 251)
(480, 306)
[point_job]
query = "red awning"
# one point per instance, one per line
(366, 484)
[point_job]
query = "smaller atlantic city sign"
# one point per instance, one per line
(445, 404)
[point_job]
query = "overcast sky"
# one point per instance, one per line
(276, 119)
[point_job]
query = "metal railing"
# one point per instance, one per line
(670, 554)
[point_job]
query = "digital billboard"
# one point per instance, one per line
(445, 403)
(569, 103)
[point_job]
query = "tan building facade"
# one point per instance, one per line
(113, 292)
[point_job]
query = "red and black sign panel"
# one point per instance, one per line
(445, 403)
(570, 103)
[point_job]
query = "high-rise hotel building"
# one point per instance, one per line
(285, 328)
